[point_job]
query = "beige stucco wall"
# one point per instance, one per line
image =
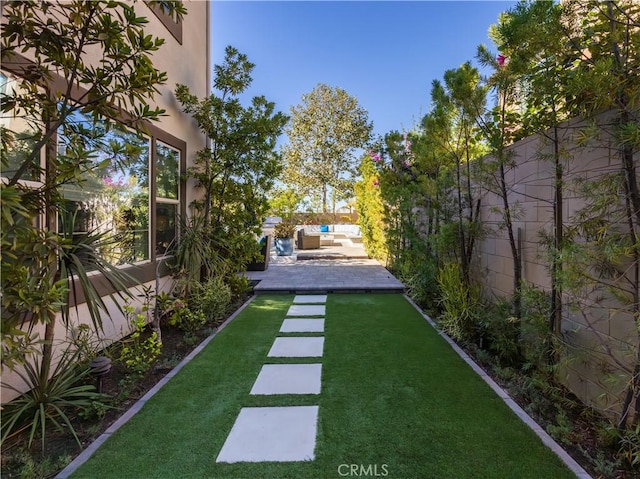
(187, 64)
(588, 370)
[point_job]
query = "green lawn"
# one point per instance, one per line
(394, 395)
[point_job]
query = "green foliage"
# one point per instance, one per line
(630, 446)
(212, 298)
(49, 399)
(187, 319)
(139, 353)
(462, 305)
(239, 169)
(198, 255)
(370, 208)
(284, 202)
(502, 331)
(27, 467)
(325, 130)
(239, 286)
(284, 230)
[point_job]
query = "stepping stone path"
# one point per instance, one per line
(297, 348)
(302, 325)
(283, 434)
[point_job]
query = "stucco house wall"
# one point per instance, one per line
(186, 60)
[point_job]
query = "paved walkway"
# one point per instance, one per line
(330, 269)
(284, 433)
(325, 276)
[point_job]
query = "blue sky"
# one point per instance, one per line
(386, 54)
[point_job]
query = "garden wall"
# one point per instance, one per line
(589, 370)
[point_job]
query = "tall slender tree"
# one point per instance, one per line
(531, 38)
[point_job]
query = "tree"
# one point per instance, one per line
(240, 167)
(498, 126)
(325, 131)
(460, 138)
(44, 45)
(605, 78)
(530, 37)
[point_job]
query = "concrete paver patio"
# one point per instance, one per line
(326, 276)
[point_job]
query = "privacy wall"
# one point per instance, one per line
(600, 333)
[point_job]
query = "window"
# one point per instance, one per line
(167, 197)
(113, 195)
(24, 136)
(161, 10)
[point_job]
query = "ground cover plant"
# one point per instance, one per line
(393, 393)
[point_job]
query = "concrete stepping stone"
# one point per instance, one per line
(288, 379)
(310, 298)
(297, 348)
(302, 325)
(279, 434)
(306, 310)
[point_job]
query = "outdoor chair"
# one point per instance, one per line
(307, 241)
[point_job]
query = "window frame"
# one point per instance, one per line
(155, 266)
(155, 198)
(173, 26)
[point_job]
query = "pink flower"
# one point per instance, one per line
(376, 182)
(407, 163)
(501, 59)
(376, 157)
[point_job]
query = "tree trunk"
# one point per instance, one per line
(324, 198)
(515, 254)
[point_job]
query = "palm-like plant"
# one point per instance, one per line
(48, 399)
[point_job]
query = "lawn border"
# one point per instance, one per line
(546, 439)
(137, 406)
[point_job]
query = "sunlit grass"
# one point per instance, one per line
(394, 394)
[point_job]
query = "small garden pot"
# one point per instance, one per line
(284, 246)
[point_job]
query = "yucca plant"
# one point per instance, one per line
(48, 400)
(197, 255)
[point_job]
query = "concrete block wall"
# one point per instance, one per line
(605, 330)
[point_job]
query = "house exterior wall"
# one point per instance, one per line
(186, 61)
(597, 325)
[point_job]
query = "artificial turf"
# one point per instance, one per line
(396, 401)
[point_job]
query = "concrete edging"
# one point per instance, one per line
(546, 439)
(93, 447)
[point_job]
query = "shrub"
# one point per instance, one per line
(187, 319)
(419, 276)
(502, 332)
(212, 298)
(461, 305)
(537, 340)
(238, 285)
(284, 230)
(138, 353)
(48, 400)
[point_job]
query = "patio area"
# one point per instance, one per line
(329, 269)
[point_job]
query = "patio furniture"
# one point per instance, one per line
(308, 242)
